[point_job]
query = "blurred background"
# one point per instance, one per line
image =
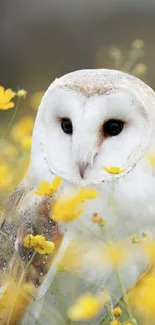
(44, 39)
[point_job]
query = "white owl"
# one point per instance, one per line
(89, 119)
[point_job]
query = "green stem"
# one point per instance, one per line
(128, 308)
(12, 119)
(116, 268)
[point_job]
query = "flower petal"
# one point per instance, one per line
(44, 189)
(9, 94)
(6, 106)
(1, 92)
(56, 183)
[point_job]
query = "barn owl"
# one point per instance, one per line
(87, 119)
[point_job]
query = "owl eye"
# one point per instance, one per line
(66, 125)
(113, 127)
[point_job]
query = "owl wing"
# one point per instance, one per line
(22, 271)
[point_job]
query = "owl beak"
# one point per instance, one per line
(82, 168)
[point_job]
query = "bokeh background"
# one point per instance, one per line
(44, 39)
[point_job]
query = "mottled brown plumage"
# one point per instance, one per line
(25, 213)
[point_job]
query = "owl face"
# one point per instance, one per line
(80, 134)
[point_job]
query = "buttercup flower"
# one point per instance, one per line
(117, 311)
(22, 93)
(47, 189)
(114, 170)
(85, 308)
(39, 244)
(68, 208)
(5, 98)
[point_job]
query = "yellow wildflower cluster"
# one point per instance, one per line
(68, 208)
(47, 189)
(16, 140)
(39, 244)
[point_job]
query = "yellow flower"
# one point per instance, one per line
(115, 322)
(142, 296)
(47, 189)
(26, 142)
(85, 308)
(5, 98)
(22, 93)
(114, 170)
(85, 194)
(117, 311)
(135, 239)
(67, 207)
(29, 241)
(39, 244)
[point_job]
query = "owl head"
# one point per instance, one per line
(89, 119)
